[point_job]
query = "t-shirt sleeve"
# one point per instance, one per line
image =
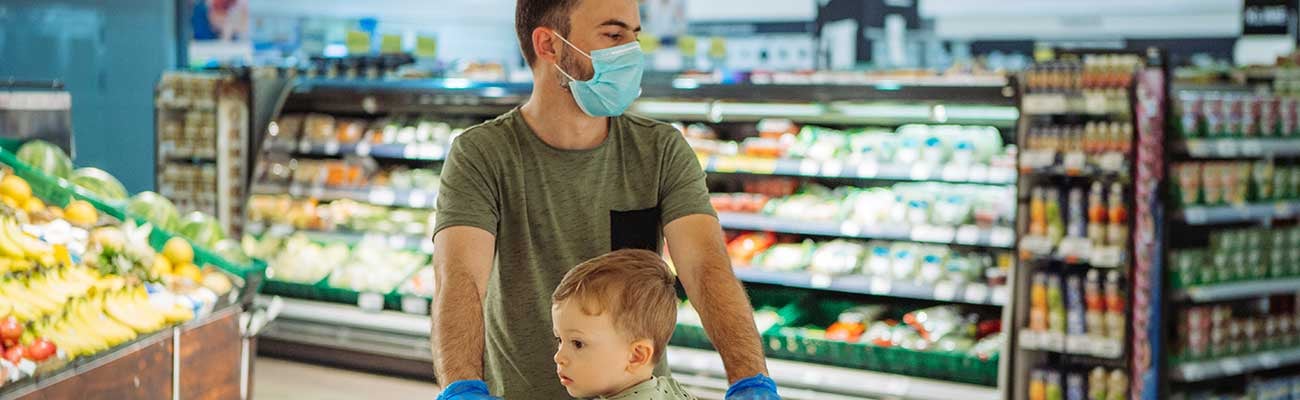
(468, 193)
(682, 190)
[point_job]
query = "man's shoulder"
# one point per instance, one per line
(650, 129)
(490, 133)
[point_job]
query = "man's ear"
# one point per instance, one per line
(642, 354)
(546, 45)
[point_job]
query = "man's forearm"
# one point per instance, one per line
(457, 332)
(728, 319)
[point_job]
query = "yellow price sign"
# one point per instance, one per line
(426, 47)
(357, 42)
(687, 45)
(390, 44)
(717, 47)
(649, 43)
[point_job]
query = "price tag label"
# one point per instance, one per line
(304, 147)
(1197, 148)
(1054, 341)
(922, 172)
(832, 168)
(945, 291)
(1226, 148)
(849, 228)
(1095, 104)
(1074, 162)
(381, 197)
(881, 285)
(868, 169)
(820, 280)
(808, 168)
(363, 149)
(1283, 210)
(411, 151)
(429, 151)
(968, 234)
(976, 293)
(390, 44)
(1044, 104)
(426, 47)
(1112, 162)
(1269, 361)
(954, 173)
(1106, 257)
(415, 305)
(372, 302)
(1078, 344)
(1195, 215)
(1232, 366)
(1251, 148)
(1107, 348)
(1038, 159)
(357, 42)
(417, 199)
(295, 190)
(332, 147)
(317, 191)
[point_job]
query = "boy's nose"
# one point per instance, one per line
(559, 360)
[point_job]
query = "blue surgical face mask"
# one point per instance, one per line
(615, 84)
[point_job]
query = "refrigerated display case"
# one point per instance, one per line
(344, 157)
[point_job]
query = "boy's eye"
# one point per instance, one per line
(577, 344)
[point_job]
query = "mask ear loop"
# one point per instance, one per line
(557, 65)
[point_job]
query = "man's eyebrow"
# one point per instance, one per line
(620, 24)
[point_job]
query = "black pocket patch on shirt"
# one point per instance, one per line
(636, 229)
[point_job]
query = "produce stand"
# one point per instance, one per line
(205, 358)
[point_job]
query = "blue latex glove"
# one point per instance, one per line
(466, 390)
(757, 387)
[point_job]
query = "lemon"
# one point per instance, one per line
(189, 271)
(80, 213)
(178, 251)
(34, 205)
(15, 188)
(161, 267)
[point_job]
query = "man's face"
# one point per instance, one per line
(592, 359)
(595, 25)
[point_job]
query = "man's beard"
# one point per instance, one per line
(572, 64)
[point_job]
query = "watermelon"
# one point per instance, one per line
(46, 157)
(99, 183)
(202, 229)
(156, 209)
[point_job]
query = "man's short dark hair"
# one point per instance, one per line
(530, 14)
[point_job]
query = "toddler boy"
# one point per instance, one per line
(612, 317)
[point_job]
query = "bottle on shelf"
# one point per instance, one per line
(1096, 215)
(1075, 226)
(1095, 303)
(1038, 303)
(1037, 387)
(1038, 213)
(1118, 213)
(1055, 222)
(1114, 306)
(1055, 305)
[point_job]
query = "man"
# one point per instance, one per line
(564, 178)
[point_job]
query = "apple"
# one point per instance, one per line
(11, 330)
(14, 354)
(40, 349)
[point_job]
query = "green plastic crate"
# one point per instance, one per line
(60, 192)
(322, 291)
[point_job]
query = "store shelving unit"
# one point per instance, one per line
(1084, 249)
(1215, 300)
(202, 144)
(388, 338)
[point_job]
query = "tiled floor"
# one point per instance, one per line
(277, 379)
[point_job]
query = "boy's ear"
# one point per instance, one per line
(643, 354)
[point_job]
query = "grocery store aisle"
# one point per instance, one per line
(277, 379)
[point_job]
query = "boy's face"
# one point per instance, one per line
(592, 359)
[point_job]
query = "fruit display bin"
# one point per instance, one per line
(58, 191)
(322, 291)
(787, 340)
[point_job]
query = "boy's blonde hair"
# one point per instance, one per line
(634, 286)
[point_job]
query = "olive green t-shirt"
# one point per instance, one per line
(655, 388)
(551, 209)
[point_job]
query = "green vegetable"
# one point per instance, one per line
(99, 183)
(156, 209)
(46, 157)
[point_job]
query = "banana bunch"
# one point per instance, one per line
(20, 250)
(44, 292)
(104, 319)
(132, 308)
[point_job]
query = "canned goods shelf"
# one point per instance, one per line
(1239, 290)
(1212, 215)
(1232, 366)
(1236, 147)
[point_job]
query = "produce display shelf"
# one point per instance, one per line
(417, 152)
(1242, 213)
(1197, 371)
(974, 293)
(968, 235)
(1239, 290)
(401, 241)
(981, 93)
(406, 336)
(380, 196)
(1061, 104)
(1236, 147)
(980, 174)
